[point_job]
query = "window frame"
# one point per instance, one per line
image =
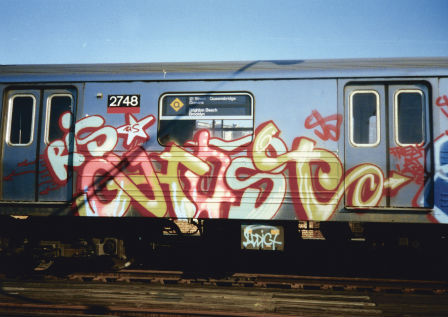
(378, 116)
(423, 126)
(186, 117)
(48, 112)
(9, 119)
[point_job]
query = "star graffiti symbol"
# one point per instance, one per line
(134, 130)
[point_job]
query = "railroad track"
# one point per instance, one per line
(271, 281)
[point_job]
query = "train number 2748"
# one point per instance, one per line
(123, 101)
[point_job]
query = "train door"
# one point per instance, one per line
(366, 132)
(388, 126)
(31, 122)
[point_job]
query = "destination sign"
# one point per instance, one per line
(207, 105)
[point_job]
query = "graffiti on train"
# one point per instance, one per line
(262, 237)
(442, 103)
(441, 178)
(411, 161)
(251, 177)
(327, 131)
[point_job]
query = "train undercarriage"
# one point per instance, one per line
(36, 242)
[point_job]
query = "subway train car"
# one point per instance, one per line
(113, 153)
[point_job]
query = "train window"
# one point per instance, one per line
(226, 129)
(409, 118)
(364, 118)
(227, 116)
(21, 111)
(57, 104)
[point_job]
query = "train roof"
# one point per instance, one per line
(338, 68)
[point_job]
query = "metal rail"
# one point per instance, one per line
(271, 281)
(21, 309)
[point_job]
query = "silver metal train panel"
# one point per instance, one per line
(347, 140)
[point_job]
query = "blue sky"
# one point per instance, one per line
(112, 31)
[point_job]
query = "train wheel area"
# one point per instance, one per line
(220, 248)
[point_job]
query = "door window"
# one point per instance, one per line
(57, 104)
(20, 126)
(364, 122)
(409, 118)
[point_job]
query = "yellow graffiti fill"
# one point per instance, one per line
(302, 155)
(360, 176)
(126, 189)
(176, 156)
